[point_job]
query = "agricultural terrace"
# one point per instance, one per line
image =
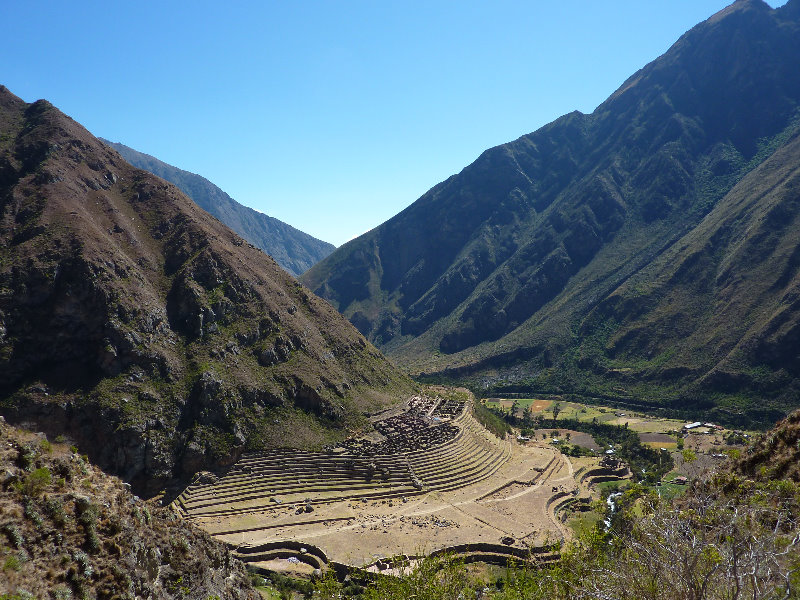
(428, 478)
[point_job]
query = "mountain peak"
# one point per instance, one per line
(8, 99)
(740, 6)
(790, 10)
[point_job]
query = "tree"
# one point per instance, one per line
(708, 547)
(689, 461)
(527, 418)
(556, 409)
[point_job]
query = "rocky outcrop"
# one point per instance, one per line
(69, 531)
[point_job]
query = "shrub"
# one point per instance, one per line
(92, 541)
(35, 482)
(61, 592)
(14, 535)
(26, 456)
(31, 513)
(84, 563)
(54, 508)
(12, 563)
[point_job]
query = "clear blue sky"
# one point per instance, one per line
(331, 116)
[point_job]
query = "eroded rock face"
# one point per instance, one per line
(145, 330)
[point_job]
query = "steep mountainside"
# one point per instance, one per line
(293, 249)
(67, 530)
(518, 272)
(150, 333)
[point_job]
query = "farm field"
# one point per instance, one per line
(639, 422)
(709, 445)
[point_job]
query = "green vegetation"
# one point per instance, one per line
(491, 420)
(586, 524)
(276, 586)
(36, 482)
(646, 463)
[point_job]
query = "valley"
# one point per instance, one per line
(562, 366)
(643, 253)
(403, 490)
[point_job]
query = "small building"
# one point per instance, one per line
(694, 425)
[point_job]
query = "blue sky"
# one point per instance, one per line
(331, 116)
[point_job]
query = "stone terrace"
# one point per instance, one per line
(427, 479)
(419, 453)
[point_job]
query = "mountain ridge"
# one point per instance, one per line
(293, 249)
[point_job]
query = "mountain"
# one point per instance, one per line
(293, 249)
(139, 326)
(645, 253)
(72, 529)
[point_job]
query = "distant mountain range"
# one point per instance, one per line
(293, 249)
(647, 253)
(144, 329)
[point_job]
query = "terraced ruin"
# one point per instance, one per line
(428, 478)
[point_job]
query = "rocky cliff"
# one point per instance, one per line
(68, 530)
